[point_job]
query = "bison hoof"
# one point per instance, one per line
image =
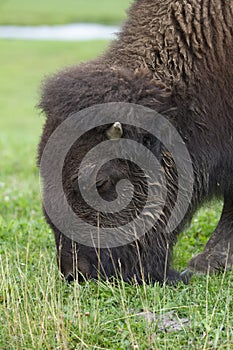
(69, 278)
(173, 277)
(208, 262)
(186, 275)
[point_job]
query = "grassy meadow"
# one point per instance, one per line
(37, 309)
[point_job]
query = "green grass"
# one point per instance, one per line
(37, 309)
(26, 12)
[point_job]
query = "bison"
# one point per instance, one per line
(175, 58)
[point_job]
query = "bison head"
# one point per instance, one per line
(125, 190)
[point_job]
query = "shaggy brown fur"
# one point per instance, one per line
(174, 39)
(176, 58)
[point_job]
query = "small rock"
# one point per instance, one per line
(168, 322)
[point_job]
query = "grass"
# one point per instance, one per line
(37, 309)
(26, 12)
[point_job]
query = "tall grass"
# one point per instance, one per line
(39, 311)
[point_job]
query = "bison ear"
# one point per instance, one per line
(115, 132)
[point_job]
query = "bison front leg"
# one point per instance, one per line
(218, 251)
(66, 256)
(74, 260)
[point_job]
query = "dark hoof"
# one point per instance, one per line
(186, 275)
(69, 278)
(174, 277)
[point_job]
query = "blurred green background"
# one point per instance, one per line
(29, 12)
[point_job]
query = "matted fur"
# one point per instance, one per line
(176, 58)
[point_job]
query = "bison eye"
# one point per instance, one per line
(103, 182)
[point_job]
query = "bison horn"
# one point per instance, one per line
(115, 132)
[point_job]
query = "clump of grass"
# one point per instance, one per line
(40, 311)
